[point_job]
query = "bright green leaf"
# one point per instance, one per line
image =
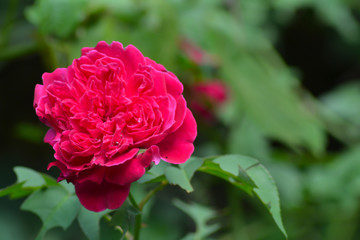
(15, 191)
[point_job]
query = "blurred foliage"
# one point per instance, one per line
(291, 69)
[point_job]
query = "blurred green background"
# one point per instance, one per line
(291, 71)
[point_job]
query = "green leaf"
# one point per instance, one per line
(191, 165)
(27, 182)
(49, 180)
(155, 174)
(30, 177)
(239, 179)
(249, 175)
(90, 222)
(54, 205)
(177, 176)
(201, 215)
(289, 121)
(182, 176)
(57, 17)
(15, 191)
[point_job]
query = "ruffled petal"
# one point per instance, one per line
(98, 197)
(121, 158)
(134, 169)
(173, 85)
(39, 92)
(60, 74)
(95, 174)
(52, 137)
(177, 147)
(180, 113)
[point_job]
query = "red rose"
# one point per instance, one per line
(214, 90)
(102, 110)
(205, 96)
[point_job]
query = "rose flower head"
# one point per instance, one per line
(207, 96)
(112, 113)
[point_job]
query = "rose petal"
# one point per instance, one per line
(52, 137)
(177, 147)
(60, 74)
(133, 169)
(39, 92)
(180, 113)
(98, 197)
(132, 58)
(121, 158)
(173, 85)
(94, 174)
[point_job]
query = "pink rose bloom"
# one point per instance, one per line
(214, 90)
(206, 96)
(111, 113)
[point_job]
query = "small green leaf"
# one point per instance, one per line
(191, 165)
(27, 182)
(241, 180)
(15, 191)
(177, 176)
(49, 180)
(182, 176)
(155, 174)
(69, 187)
(54, 205)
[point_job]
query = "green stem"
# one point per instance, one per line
(151, 193)
(137, 226)
(133, 202)
(141, 205)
